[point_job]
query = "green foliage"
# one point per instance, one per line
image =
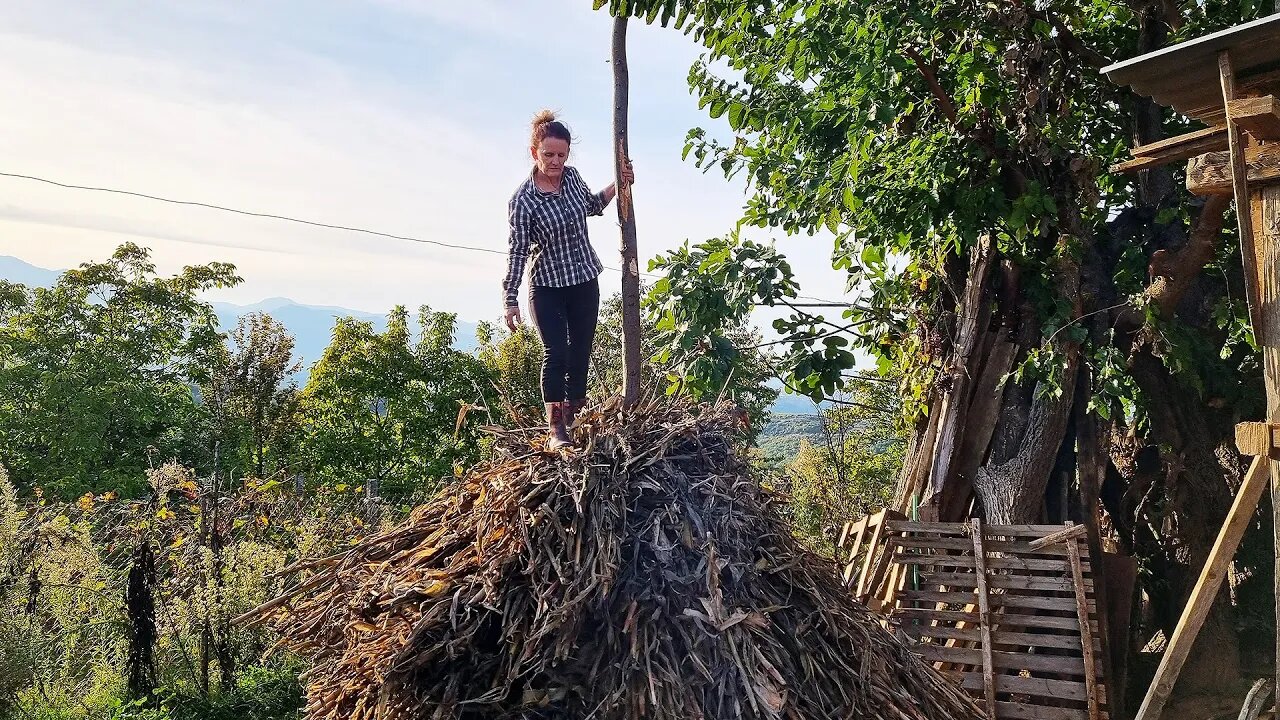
(699, 314)
(251, 401)
(850, 468)
(514, 361)
(382, 406)
(908, 131)
(96, 371)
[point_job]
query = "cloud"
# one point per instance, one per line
(402, 116)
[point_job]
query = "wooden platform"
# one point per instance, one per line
(1008, 610)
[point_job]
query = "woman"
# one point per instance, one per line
(548, 215)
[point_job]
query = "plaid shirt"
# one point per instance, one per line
(549, 233)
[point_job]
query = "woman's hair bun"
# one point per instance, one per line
(546, 125)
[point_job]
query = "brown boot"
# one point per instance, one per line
(556, 424)
(572, 408)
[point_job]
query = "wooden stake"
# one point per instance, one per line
(626, 219)
(984, 618)
(1206, 589)
(1086, 629)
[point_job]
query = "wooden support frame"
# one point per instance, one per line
(1206, 589)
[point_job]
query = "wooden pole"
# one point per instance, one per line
(1206, 589)
(1264, 213)
(626, 219)
(1240, 187)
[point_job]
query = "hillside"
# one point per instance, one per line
(781, 436)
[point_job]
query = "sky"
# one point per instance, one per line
(409, 117)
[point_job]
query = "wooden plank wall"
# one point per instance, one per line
(1013, 621)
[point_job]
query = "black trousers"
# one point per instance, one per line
(566, 321)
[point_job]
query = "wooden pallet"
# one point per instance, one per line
(1008, 610)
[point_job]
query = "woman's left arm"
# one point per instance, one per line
(607, 195)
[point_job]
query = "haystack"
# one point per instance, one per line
(647, 575)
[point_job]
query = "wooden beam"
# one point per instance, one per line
(1210, 174)
(1256, 438)
(984, 619)
(1206, 589)
(1240, 188)
(1258, 116)
(1174, 149)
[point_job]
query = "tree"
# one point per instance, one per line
(514, 362)
(96, 373)
(251, 398)
(626, 218)
(379, 406)
(850, 472)
(1037, 306)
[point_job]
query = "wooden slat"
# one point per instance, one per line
(1071, 532)
(1039, 602)
(999, 637)
(995, 563)
(1174, 149)
(1161, 147)
(999, 619)
(879, 521)
(1012, 582)
(1240, 188)
(1044, 640)
(1012, 547)
(1026, 711)
(950, 598)
(1064, 664)
(1086, 633)
(1036, 687)
(958, 529)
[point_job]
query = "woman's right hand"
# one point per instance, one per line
(513, 318)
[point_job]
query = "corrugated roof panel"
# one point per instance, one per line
(1185, 76)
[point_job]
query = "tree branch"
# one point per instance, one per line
(927, 71)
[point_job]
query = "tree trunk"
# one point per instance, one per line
(626, 219)
(141, 609)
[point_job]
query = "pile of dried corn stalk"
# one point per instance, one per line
(646, 575)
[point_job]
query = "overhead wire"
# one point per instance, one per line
(349, 228)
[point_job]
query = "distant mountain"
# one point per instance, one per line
(15, 270)
(311, 325)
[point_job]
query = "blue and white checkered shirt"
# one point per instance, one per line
(549, 232)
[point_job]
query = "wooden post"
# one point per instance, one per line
(984, 618)
(1206, 589)
(626, 219)
(1240, 187)
(1264, 213)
